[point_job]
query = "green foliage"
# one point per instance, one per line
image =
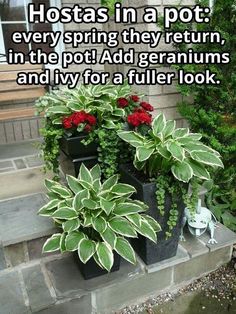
(169, 150)
(110, 4)
(99, 100)
(96, 218)
(212, 112)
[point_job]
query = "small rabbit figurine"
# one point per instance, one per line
(199, 223)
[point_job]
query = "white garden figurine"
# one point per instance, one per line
(199, 223)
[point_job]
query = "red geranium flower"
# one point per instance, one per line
(135, 98)
(67, 123)
(122, 102)
(91, 119)
(147, 106)
(78, 117)
(138, 118)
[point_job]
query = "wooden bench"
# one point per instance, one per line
(11, 91)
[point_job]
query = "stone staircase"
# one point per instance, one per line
(51, 283)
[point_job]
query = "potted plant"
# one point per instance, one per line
(166, 160)
(95, 219)
(82, 123)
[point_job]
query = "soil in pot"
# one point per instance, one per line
(74, 147)
(146, 249)
(91, 269)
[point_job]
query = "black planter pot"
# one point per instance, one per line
(73, 147)
(146, 249)
(71, 166)
(91, 269)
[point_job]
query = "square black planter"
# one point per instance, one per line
(91, 269)
(146, 249)
(74, 147)
(71, 166)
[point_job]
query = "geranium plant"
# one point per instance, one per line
(96, 218)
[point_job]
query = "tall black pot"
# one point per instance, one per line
(91, 269)
(146, 249)
(73, 146)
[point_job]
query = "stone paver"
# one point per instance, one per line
(11, 296)
(33, 161)
(38, 292)
(2, 259)
(19, 220)
(19, 163)
(15, 254)
(6, 164)
(14, 150)
(22, 182)
(82, 305)
(68, 281)
(180, 257)
(223, 236)
(193, 245)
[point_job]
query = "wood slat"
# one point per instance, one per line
(12, 86)
(12, 75)
(16, 113)
(22, 94)
(19, 67)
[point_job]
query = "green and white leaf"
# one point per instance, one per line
(128, 208)
(169, 128)
(109, 236)
(124, 249)
(96, 172)
(86, 250)
(65, 213)
(207, 158)
(73, 239)
(71, 225)
(85, 175)
(134, 139)
(143, 153)
(79, 197)
(49, 206)
(99, 224)
(146, 230)
(198, 169)
(158, 124)
(107, 206)
(105, 255)
(74, 184)
(122, 226)
(176, 151)
(110, 182)
(52, 244)
(180, 132)
(89, 203)
(62, 191)
(122, 189)
(182, 171)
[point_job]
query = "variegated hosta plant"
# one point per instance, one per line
(167, 149)
(96, 218)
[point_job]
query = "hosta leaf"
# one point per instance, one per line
(152, 222)
(107, 206)
(180, 132)
(90, 204)
(199, 170)
(143, 153)
(49, 184)
(109, 236)
(207, 158)
(58, 109)
(169, 128)
(95, 257)
(96, 172)
(86, 185)
(190, 147)
(105, 255)
(62, 191)
(109, 183)
(49, 206)
(176, 151)
(124, 249)
(182, 171)
(146, 230)
(122, 226)
(85, 175)
(99, 224)
(87, 220)
(97, 185)
(73, 239)
(159, 124)
(74, 184)
(135, 219)
(52, 244)
(86, 250)
(71, 225)
(124, 209)
(162, 150)
(123, 189)
(46, 213)
(79, 197)
(191, 138)
(65, 213)
(131, 137)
